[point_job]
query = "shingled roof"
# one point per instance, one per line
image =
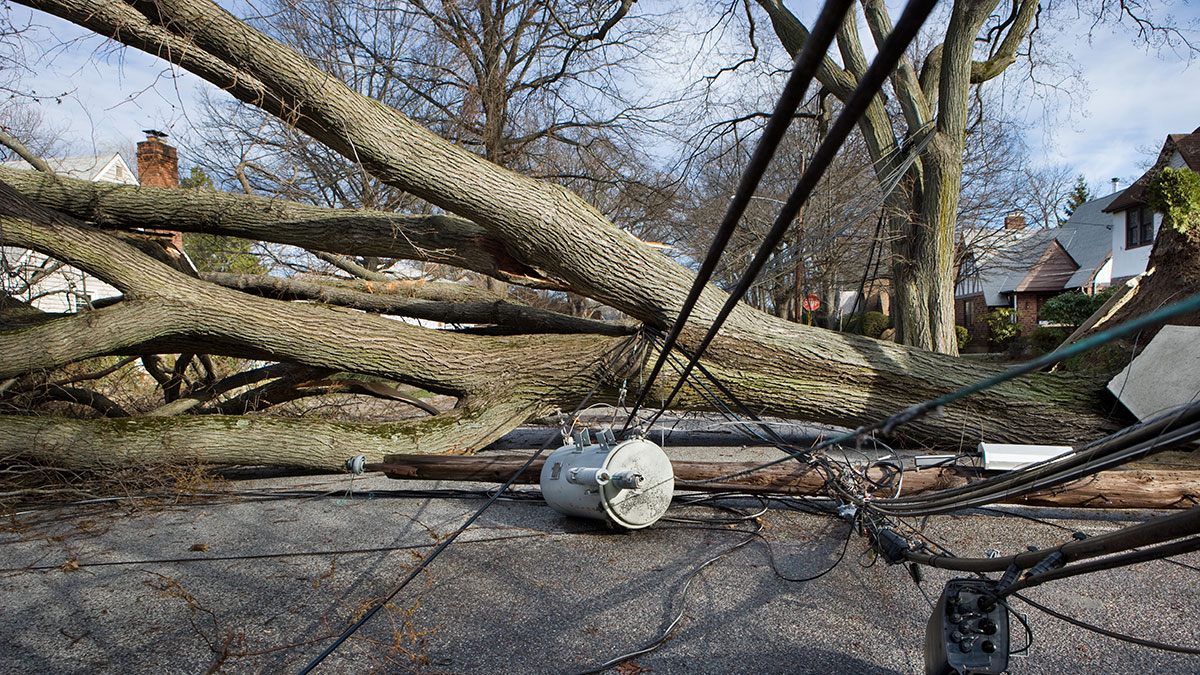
(1188, 146)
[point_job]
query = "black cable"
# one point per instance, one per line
(804, 68)
(453, 535)
(1125, 559)
(1155, 531)
(256, 556)
(683, 593)
(1154, 644)
(872, 81)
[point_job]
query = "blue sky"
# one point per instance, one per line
(1130, 99)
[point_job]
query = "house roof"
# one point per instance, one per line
(1087, 236)
(1188, 147)
(1059, 258)
(109, 166)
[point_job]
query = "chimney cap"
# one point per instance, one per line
(154, 133)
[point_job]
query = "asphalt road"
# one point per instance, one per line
(261, 581)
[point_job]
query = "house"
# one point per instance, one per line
(1134, 224)
(51, 286)
(1020, 268)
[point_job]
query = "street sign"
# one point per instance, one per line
(812, 303)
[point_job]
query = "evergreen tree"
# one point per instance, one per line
(213, 252)
(1079, 194)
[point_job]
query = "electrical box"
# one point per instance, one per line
(968, 632)
(628, 484)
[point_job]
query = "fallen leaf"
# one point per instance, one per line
(632, 668)
(71, 565)
(199, 547)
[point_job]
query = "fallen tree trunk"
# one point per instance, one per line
(1138, 489)
(507, 225)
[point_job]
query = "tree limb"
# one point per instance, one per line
(447, 303)
(1006, 53)
(436, 239)
(25, 153)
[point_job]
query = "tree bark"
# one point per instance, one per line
(550, 235)
(443, 302)
(428, 238)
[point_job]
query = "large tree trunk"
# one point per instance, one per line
(518, 229)
(923, 211)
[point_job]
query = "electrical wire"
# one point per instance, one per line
(453, 536)
(804, 69)
(1154, 644)
(889, 54)
(259, 556)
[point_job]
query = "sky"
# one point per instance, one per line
(1130, 98)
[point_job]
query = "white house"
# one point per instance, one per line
(1134, 224)
(47, 284)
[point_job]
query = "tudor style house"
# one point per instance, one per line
(1105, 241)
(52, 286)
(1022, 268)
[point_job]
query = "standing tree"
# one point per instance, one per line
(506, 225)
(980, 41)
(1080, 193)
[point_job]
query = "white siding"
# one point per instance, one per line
(1129, 262)
(65, 290)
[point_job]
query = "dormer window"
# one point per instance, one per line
(1139, 227)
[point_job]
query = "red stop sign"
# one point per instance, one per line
(812, 303)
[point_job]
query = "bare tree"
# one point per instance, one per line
(979, 42)
(506, 225)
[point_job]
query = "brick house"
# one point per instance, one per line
(1021, 268)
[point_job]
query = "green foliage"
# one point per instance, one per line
(1175, 193)
(216, 253)
(871, 324)
(1045, 339)
(197, 180)
(1073, 308)
(1068, 309)
(963, 335)
(1004, 327)
(1079, 194)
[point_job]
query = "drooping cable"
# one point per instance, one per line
(885, 426)
(804, 69)
(454, 535)
(881, 67)
(1153, 644)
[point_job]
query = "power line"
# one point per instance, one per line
(885, 61)
(462, 528)
(804, 69)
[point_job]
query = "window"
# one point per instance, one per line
(1139, 227)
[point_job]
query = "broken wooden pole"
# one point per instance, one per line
(1133, 489)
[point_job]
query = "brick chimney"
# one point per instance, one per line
(158, 163)
(1014, 221)
(158, 166)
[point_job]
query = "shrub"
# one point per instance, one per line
(1068, 309)
(1046, 339)
(1073, 308)
(963, 335)
(1004, 327)
(871, 324)
(1175, 193)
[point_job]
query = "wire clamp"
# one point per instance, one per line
(356, 465)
